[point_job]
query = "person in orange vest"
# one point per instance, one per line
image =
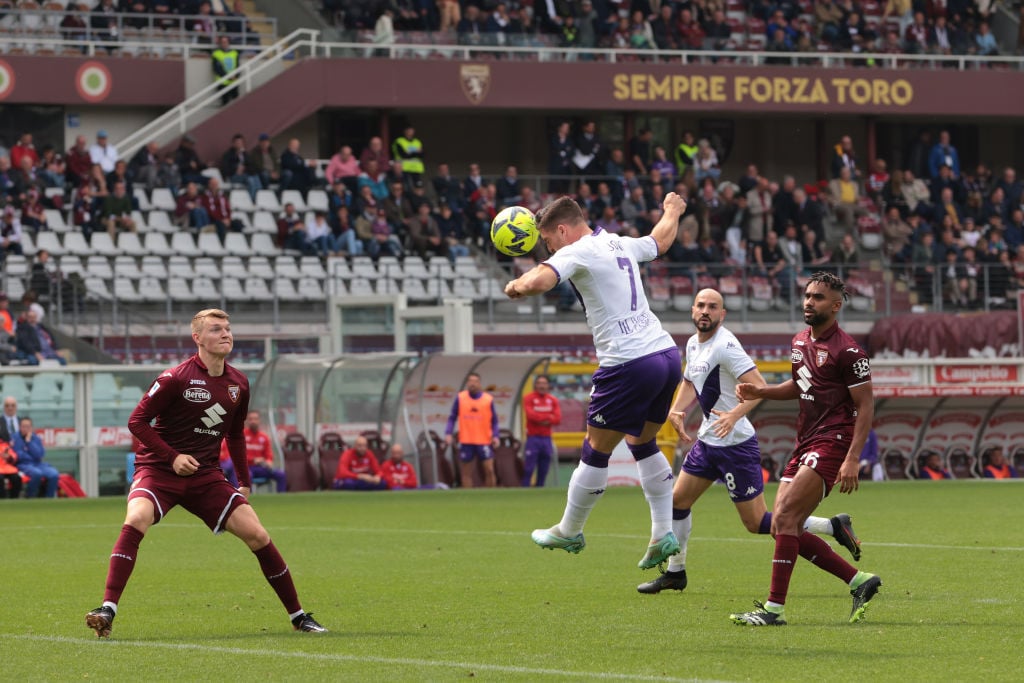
(932, 468)
(542, 413)
(397, 472)
(997, 467)
(473, 409)
(9, 472)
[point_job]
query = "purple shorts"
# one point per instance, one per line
(738, 466)
(627, 396)
(206, 494)
(469, 452)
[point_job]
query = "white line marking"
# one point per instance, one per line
(403, 661)
(752, 538)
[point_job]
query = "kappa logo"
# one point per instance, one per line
(213, 415)
(751, 491)
(197, 395)
(599, 419)
(475, 80)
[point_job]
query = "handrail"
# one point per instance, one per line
(178, 118)
(126, 21)
(102, 48)
(436, 50)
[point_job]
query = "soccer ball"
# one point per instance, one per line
(514, 231)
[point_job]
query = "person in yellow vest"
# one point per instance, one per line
(473, 411)
(225, 62)
(408, 151)
(686, 154)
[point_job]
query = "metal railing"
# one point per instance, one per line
(43, 23)
(100, 48)
(201, 105)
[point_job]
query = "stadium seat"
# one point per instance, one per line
(284, 289)
(180, 289)
(142, 199)
(156, 243)
(285, 266)
(154, 266)
(99, 266)
(262, 243)
(298, 466)
(508, 467)
(330, 450)
(466, 266)
(96, 289)
(162, 199)
(385, 285)
(151, 289)
(414, 267)
(207, 266)
(55, 220)
(266, 200)
(357, 287)
(213, 172)
(49, 241)
(316, 200)
(129, 243)
(209, 244)
(293, 197)
(962, 465)
(311, 266)
(236, 244)
(205, 289)
(232, 266)
(241, 201)
(127, 267)
(310, 289)
(69, 264)
(231, 289)
(896, 465)
(183, 243)
(256, 289)
(431, 448)
(263, 221)
(102, 243)
(160, 221)
(124, 290)
(259, 266)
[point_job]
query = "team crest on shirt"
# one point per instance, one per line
(822, 356)
(234, 391)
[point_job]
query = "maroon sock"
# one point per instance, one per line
(122, 562)
(820, 553)
(278, 576)
(787, 549)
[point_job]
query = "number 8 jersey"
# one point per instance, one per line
(604, 270)
(825, 369)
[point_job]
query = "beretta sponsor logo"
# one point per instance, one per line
(197, 395)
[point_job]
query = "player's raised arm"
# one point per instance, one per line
(787, 391)
(664, 233)
(537, 280)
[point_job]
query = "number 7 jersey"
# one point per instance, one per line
(604, 270)
(825, 369)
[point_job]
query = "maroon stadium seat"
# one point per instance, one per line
(376, 443)
(508, 467)
(896, 465)
(430, 446)
(298, 466)
(330, 448)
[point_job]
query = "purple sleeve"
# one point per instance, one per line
(494, 421)
(451, 418)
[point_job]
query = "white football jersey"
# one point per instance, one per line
(713, 368)
(604, 270)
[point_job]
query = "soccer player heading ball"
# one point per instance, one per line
(180, 423)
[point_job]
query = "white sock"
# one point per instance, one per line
(821, 526)
(297, 614)
(111, 605)
(681, 528)
(656, 480)
(585, 487)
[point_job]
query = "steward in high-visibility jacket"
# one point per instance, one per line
(409, 151)
(225, 67)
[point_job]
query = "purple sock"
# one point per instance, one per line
(766, 524)
(592, 457)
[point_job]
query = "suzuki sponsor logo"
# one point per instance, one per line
(213, 415)
(197, 395)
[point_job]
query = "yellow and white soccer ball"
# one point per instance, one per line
(514, 231)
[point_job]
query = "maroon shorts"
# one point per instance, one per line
(206, 494)
(824, 457)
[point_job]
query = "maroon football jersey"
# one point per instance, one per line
(824, 370)
(193, 413)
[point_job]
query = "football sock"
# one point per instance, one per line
(682, 523)
(774, 607)
(787, 549)
(278, 576)
(861, 577)
(656, 479)
(820, 553)
(122, 562)
(819, 525)
(586, 485)
(111, 605)
(766, 524)
(295, 615)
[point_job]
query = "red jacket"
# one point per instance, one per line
(257, 445)
(398, 475)
(351, 464)
(217, 206)
(540, 409)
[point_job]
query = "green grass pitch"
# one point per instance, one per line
(446, 585)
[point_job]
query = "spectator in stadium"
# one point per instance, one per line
(759, 206)
(358, 469)
(915, 35)
(35, 343)
(812, 254)
(1012, 188)
(33, 217)
(844, 197)
(706, 162)
(931, 467)
(103, 153)
(450, 14)
(6, 318)
(296, 172)
(373, 178)
(218, 208)
(476, 419)
(225, 61)
(23, 149)
(188, 162)
(27, 177)
(343, 240)
(473, 183)
(291, 229)
(986, 44)
(116, 211)
(8, 180)
(407, 151)
(452, 229)
(73, 26)
(870, 466)
(396, 472)
(903, 10)
(509, 191)
(318, 236)
(424, 234)
(79, 162)
(944, 154)
(236, 166)
(447, 187)
(664, 30)
(398, 209)
(560, 153)
(120, 174)
(103, 22)
(590, 152)
(995, 465)
(145, 165)
(843, 156)
(190, 209)
(9, 421)
(845, 257)
(383, 241)
(10, 478)
(376, 150)
(31, 453)
(940, 37)
(897, 234)
(808, 214)
(265, 162)
(828, 15)
(343, 167)
(877, 181)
